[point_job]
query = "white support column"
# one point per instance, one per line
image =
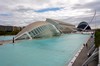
(28, 35)
(56, 29)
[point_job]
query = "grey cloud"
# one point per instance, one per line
(21, 8)
(78, 19)
(12, 2)
(92, 5)
(6, 14)
(17, 5)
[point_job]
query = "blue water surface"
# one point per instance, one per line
(56, 51)
(6, 37)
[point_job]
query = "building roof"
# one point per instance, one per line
(32, 26)
(83, 24)
(60, 22)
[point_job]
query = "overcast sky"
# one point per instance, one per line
(24, 12)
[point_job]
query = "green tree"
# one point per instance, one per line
(97, 37)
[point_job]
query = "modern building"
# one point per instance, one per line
(64, 27)
(83, 25)
(38, 29)
(4, 28)
(42, 29)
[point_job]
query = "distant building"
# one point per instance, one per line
(6, 28)
(10, 28)
(83, 25)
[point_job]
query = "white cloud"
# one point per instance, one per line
(23, 10)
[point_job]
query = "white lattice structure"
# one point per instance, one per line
(62, 26)
(36, 30)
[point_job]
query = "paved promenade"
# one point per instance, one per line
(83, 56)
(7, 42)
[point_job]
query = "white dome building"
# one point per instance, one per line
(62, 26)
(37, 29)
(41, 29)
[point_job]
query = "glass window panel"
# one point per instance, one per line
(35, 31)
(41, 28)
(32, 35)
(25, 36)
(38, 30)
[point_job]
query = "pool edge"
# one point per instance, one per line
(77, 54)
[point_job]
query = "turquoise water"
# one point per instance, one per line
(57, 51)
(6, 38)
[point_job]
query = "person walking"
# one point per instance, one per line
(13, 40)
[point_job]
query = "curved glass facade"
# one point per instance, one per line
(41, 31)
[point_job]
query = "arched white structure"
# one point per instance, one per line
(62, 26)
(36, 30)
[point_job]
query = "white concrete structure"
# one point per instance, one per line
(46, 28)
(36, 30)
(62, 26)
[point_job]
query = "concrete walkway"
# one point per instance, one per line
(83, 56)
(7, 42)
